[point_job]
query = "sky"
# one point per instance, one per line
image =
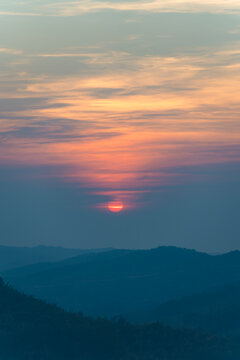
(120, 123)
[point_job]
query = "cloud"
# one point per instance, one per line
(176, 6)
(129, 127)
(74, 8)
(10, 51)
(16, 13)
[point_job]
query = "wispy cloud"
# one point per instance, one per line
(123, 121)
(192, 6)
(74, 8)
(158, 114)
(10, 51)
(19, 13)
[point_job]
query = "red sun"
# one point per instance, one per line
(115, 206)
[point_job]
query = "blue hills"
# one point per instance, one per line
(115, 282)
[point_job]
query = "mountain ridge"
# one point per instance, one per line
(17, 256)
(126, 280)
(216, 310)
(33, 329)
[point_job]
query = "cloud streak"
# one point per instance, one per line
(176, 6)
(121, 122)
(146, 124)
(75, 8)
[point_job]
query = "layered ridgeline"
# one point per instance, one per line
(12, 257)
(31, 329)
(216, 311)
(122, 281)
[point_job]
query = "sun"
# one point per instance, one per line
(115, 206)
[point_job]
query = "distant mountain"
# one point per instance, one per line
(122, 281)
(31, 329)
(216, 311)
(12, 257)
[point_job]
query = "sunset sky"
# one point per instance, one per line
(120, 123)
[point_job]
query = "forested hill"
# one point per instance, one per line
(31, 329)
(216, 311)
(125, 281)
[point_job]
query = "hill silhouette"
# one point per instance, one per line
(216, 311)
(31, 329)
(13, 256)
(122, 281)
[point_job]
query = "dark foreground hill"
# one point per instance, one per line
(123, 281)
(216, 311)
(12, 257)
(31, 329)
